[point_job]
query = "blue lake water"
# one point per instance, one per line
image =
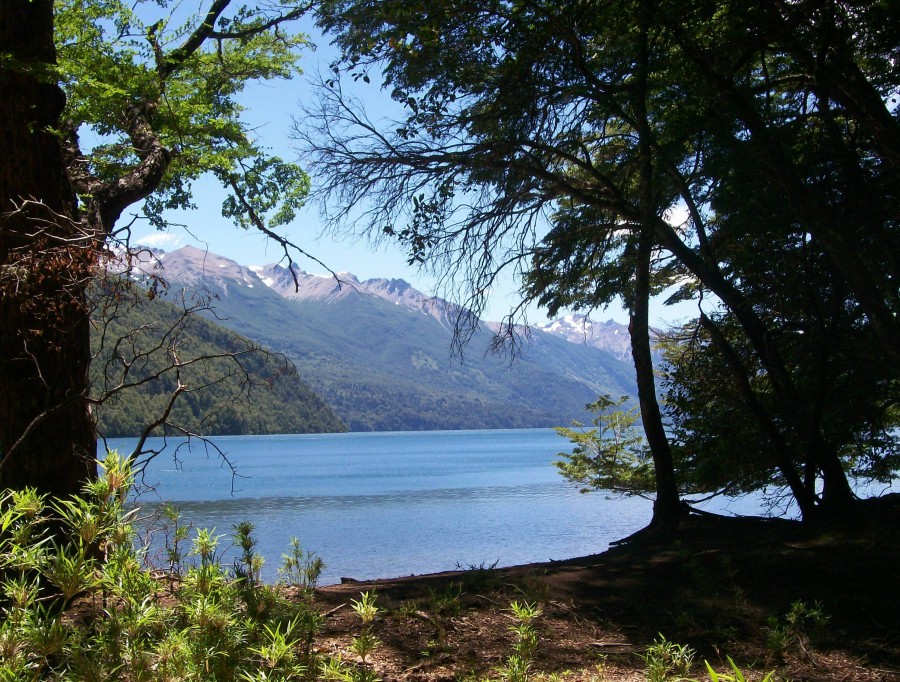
(378, 505)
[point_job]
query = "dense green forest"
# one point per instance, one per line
(149, 353)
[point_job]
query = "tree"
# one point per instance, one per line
(493, 147)
(802, 213)
(557, 139)
(810, 85)
(159, 95)
(612, 455)
(44, 339)
(728, 425)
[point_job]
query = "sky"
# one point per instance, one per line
(271, 109)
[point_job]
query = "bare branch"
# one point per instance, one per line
(285, 243)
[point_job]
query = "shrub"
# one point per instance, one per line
(216, 625)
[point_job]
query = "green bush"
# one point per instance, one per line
(213, 624)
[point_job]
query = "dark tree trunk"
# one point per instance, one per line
(667, 506)
(46, 431)
(836, 490)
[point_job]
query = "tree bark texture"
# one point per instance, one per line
(46, 430)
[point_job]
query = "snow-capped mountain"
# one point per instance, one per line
(193, 267)
(379, 351)
(301, 286)
(609, 335)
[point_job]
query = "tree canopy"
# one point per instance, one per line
(153, 89)
(562, 140)
(157, 89)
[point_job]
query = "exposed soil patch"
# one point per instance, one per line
(722, 586)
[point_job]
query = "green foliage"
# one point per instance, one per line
(300, 568)
(333, 669)
(734, 675)
(70, 571)
(407, 609)
(248, 565)
(365, 607)
(364, 644)
(526, 637)
(483, 577)
(517, 666)
(176, 534)
(716, 437)
(667, 660)
(612, 456)
(183, 77)
(794, 629)
(447, 601)
(278, 653)
(215, 626)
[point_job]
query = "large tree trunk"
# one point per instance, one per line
(667, 506)
(836, 490)
(46, 431)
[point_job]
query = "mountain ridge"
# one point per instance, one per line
(608, 335)
(379, 351)
(311, 287)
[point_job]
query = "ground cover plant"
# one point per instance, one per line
(81, 602)
(730, 599)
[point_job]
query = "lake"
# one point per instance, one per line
(380, 505)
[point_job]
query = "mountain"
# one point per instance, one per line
(379, 351)
(300, 286)
(230, 387)
(609, 336)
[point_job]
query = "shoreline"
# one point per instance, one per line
(717, 588)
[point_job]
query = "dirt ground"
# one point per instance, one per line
(722, 586)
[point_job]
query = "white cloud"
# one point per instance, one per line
(161, 240)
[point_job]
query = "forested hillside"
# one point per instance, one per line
(147, 350)
(382, 355)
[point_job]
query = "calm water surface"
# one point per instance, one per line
(376, 505)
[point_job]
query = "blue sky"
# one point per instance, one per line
(270, 111)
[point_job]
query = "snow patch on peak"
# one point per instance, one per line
(609, 336)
